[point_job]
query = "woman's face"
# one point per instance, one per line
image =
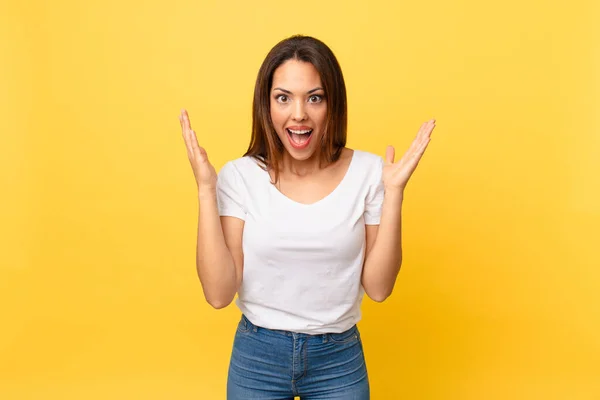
(298, 108)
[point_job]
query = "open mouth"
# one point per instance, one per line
(299, 138)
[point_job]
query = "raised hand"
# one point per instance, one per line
(396, 175)
(204, 172)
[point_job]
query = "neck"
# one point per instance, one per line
(300, 168)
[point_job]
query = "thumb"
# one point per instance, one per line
(390, 152)
(203, 155)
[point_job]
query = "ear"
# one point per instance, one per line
(390, 153)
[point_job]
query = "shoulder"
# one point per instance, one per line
(238, 163)
(369, 163)
(367, 158)
(239, 166)
(242, 171)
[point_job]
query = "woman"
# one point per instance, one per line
(300, 228)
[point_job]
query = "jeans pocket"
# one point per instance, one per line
(243, 326)
(349, 336)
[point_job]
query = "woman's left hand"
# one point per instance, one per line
(396, 175)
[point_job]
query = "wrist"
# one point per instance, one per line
(207, 193)
(396, 192)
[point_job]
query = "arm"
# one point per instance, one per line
(383, 257)
(384, 242)
(219, 258)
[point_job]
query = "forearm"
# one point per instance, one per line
(214, 262)
(385, 257)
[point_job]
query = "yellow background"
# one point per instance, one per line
(499, 293)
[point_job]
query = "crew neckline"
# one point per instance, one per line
(322, 200)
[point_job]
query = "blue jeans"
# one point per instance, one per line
(275, 364)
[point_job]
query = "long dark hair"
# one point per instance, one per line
(265, 145)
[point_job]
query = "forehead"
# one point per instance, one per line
(296, 74)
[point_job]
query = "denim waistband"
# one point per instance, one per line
(256, 328)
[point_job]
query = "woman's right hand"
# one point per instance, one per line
(204, 172)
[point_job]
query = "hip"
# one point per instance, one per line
(285, 363)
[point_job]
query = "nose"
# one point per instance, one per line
(298, 112)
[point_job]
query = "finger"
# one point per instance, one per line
(416, 141)
(420, 150)
(422, 129)
(390, 153)
(184, 127)
(184, 130)
(186, 120)
(188, 148)
(199, 151)
(192, 137)
(415, 152)
(185, 136)
(431, 125)
(425, 134)
(193, 140)
(422, 140)
(203, 156)
(416, 149)
(181, 121)
(189, 134)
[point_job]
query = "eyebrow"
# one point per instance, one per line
(309, 92)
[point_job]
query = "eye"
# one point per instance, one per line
(315, 98)
(282, 98)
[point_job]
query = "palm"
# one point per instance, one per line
(204, 172)
(396, 175)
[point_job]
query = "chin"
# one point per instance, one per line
(300, 155)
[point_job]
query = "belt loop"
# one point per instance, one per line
(250, 324)
(324, 338)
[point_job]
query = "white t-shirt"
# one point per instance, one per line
(302, 262)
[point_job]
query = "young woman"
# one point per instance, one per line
(300, 228)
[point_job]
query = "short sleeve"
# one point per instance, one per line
(230, 198)
(374, 199)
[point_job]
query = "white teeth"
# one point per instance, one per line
(300, 132)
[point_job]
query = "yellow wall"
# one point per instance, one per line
(499, 293)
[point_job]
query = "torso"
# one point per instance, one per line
(314, 187)
(303, 250)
